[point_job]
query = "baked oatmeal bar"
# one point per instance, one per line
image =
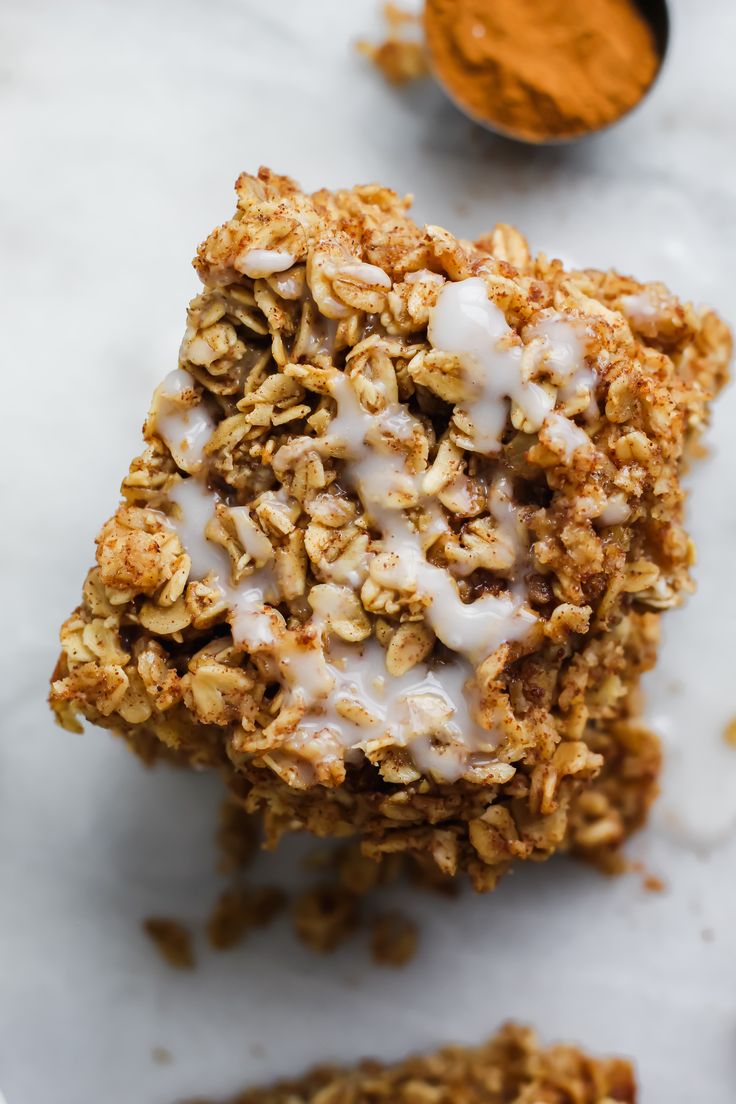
(396, 550)
(511, 1068)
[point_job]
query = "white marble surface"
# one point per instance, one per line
(125, 123)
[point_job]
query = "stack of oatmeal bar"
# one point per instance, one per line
(394, 555)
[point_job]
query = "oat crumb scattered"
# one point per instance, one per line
(237, 837)
(652, 883)
(394, 939)
(239, 910)
(172, 940)
(401, 57)
(325, 916)
(362, 874)
(399, 18)
(399, 61)
(428, 877)
(161, 1056)
(729, 732)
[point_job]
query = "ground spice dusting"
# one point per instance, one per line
(542, 68)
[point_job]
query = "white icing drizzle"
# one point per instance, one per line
(563, 349)
(562, 346)
(506, 514)
(352, 697)
(289, 284)
(253, 624)
(254, 540)
(615, 512)
(258, 263)
(196, 510)
(430, 712)
(321, 337)
(424, 275)
(184, 427)
(343, 692)
(564, 437)
(639, 308)
(386, 488)
(464, 322)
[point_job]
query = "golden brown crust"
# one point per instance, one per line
(149, 652)
(511, 1068)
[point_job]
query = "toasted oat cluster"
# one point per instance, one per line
(396, 550)
(511, 1068)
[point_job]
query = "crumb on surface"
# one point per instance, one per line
(652, 883)
(324, 916)
(401, 57)
(239, 910)
(362, 874)
(394, 939)
(172, 940)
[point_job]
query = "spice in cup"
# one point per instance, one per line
(542, 70)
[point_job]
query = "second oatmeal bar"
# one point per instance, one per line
(394, 556)
(511, 1068)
